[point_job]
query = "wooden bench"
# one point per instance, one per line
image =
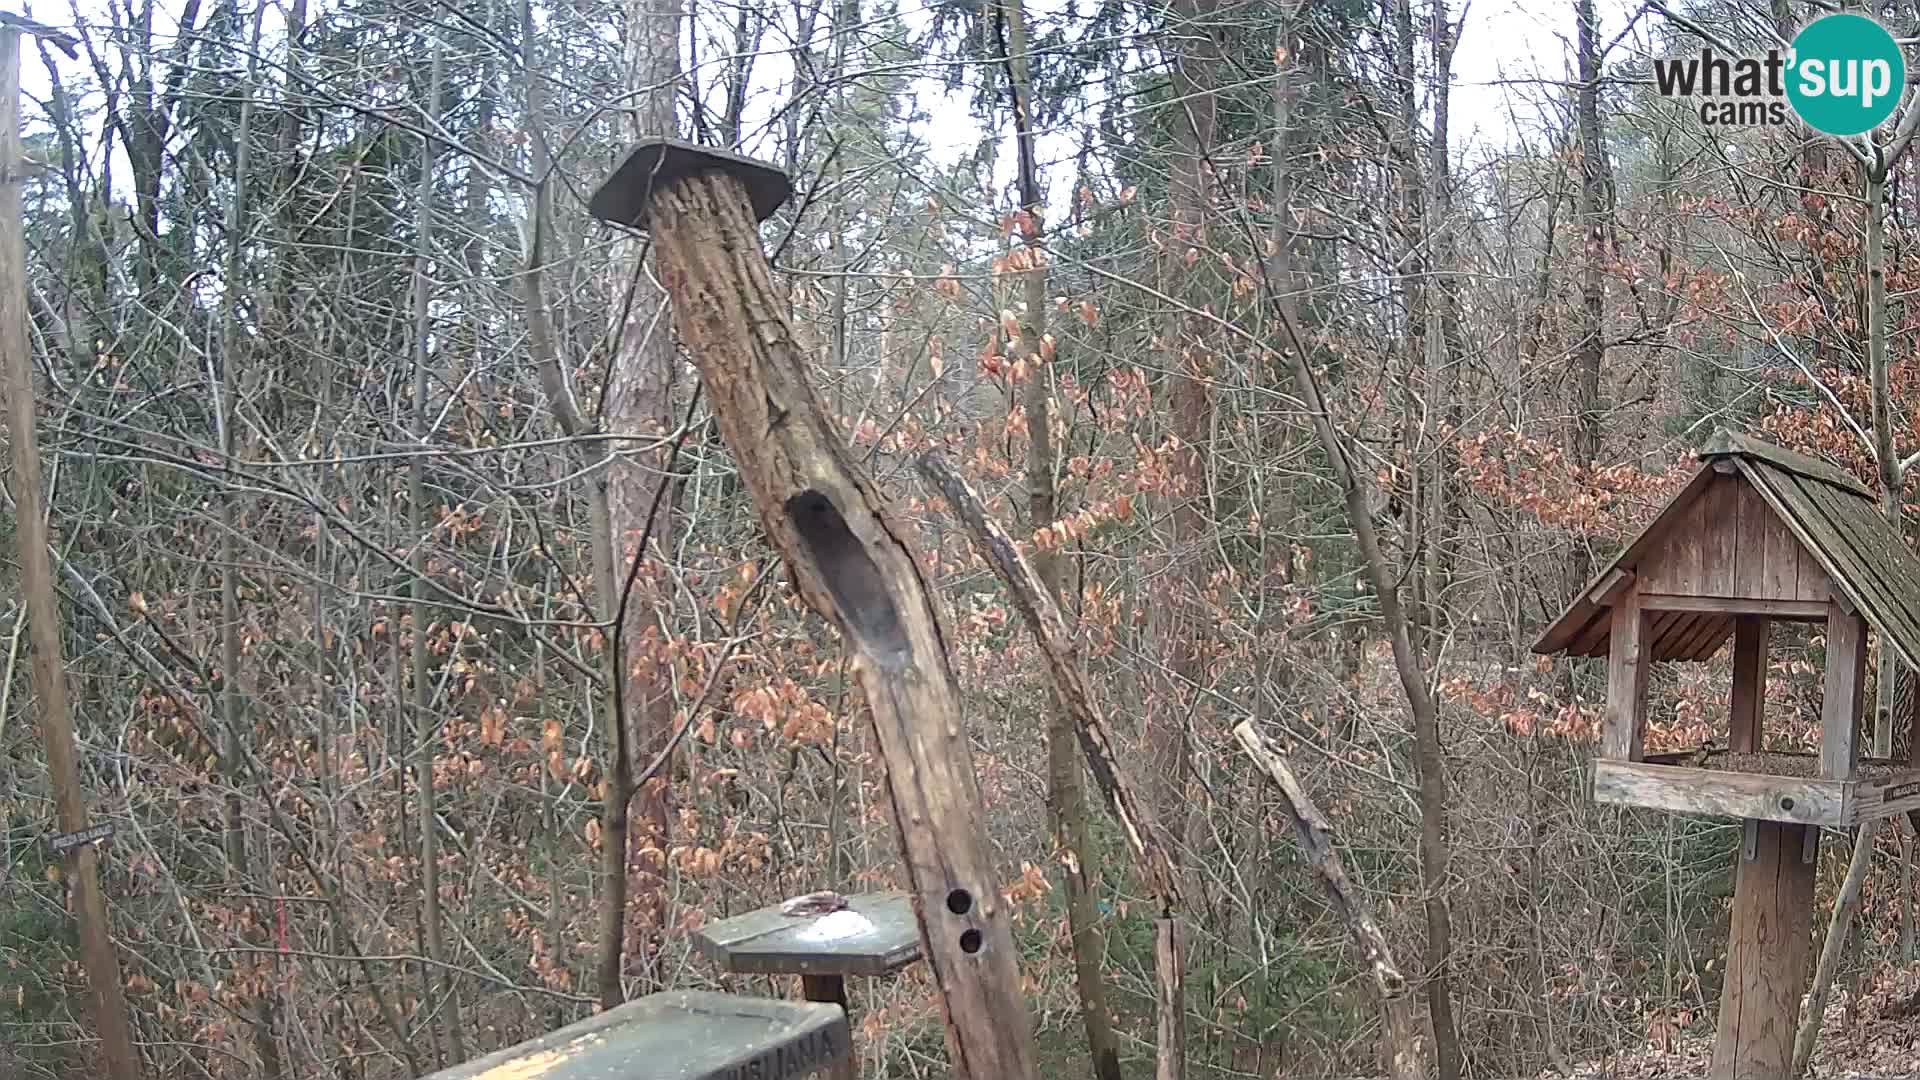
(683, 1034)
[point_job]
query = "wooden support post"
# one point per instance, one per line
(1767, 952)
(1913, 745)
(852, 559)
(1749, 683)
(1913, 718)
(1627, 662)
(1846, 676)
(1170, 963)
(48, 671)
(1912, 703)
(832, 989)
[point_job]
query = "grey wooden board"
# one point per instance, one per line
(678, 1035)
(1724, 443)
(1712, 793)
(766, 942)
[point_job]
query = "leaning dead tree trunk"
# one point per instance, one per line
(1406, 1060)
(851, 557)
(1135, 816)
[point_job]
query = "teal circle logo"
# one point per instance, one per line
(1847, 76)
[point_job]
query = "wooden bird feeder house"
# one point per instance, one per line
(1759, 535)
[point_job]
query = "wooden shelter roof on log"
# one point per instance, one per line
(1818, 535)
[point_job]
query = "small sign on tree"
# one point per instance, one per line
(61, 843)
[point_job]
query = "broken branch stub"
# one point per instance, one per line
(1406, 1057)
(852, 561)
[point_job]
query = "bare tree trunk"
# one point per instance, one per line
(265, 1042)
(852, 560)
(1075, 700)
(1066, 797)
(1429, 755)
(552, 372)
(1195, 56)
(640, 405)
(425, 724)
(1847, 905)
(1408, 494)
(1589, 352)
(109, 1003)
(1445, 344)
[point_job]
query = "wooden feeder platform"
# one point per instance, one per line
(1772, 786)
(875, 934)
(684, 1034)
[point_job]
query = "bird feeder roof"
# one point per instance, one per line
(1833, 520)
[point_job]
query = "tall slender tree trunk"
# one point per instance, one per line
(1066, 793)
(1195, 53)
(265, 1041)
(1445, 336)
(425, 723)
(1415, 367)
(1195, 56)
(617, 779)
(640, 406)
(1847, 905)
(1589, 352)
(48, 672)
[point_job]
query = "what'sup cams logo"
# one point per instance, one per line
(1843, 76)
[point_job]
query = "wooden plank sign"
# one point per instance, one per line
(64, 842)
(686, 1034)
(1897, 794)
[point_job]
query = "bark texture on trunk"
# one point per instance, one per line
(1195, 53)
(853, 560)
(48, 673)
(1589, 350)
(641, 515)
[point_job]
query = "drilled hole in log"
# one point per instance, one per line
(970, 941)
(865, 606)
(959, 901)
(1786, 804)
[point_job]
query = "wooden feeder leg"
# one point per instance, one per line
(1846, 675)
(1749, 683)
(1767, 952)
(832, 989)
(1627, 660)
(854, 559)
